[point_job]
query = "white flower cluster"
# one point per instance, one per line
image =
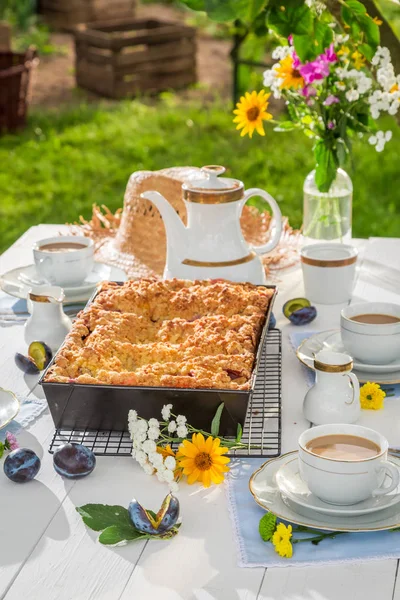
(358, 81)
(317, 5)
(386, 99)
(145, 435)
(280, 52)
(272, 81)
(379, 139)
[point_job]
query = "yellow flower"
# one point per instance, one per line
(202, 460)
(358, 59)
(165, 451)
(281, 540)
(371, 396)
(251, 111)
(378, 21)
(394, 88)
(291, 77)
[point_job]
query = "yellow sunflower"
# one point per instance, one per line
(251, 111)
(202, 460)
(281, 540)
(290, 76)
(372, 396)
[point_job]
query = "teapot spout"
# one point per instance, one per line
(175, 229)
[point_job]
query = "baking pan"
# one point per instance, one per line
(106, 407)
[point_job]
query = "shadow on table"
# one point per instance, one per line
(26, 510)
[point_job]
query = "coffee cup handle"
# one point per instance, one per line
(394, 473)
(355, 386)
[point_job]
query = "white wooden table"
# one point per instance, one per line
(47, 553)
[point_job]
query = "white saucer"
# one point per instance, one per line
(331, 340)
(266, 493)
(293, 487)
(11, 284)
(9, 407)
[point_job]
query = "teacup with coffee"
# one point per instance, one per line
(370, 331)
(64, 260)
(346, 464)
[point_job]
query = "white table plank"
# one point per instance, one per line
(369, 581)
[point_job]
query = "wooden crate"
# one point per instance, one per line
(65, 14)
(124, 58)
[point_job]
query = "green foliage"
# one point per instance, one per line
(217, 420)
(58, 167)
(326, 165)
(354, 15)
(115, 524)
(291, 17)
(267, 526)
(309, 48)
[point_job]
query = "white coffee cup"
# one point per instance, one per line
(346, 482)
(64, 268)
(328, 272)
(370, 342)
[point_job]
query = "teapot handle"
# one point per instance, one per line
(276, 212)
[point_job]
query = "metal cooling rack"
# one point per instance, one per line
(261, 432)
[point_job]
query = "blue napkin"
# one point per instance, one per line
(253, 552)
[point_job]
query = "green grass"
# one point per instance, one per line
(64, 162)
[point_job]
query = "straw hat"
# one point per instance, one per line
(135, 240)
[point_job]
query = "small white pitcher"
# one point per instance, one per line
(335, 396)
(48, 323)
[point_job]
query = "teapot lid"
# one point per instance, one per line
(212, 189)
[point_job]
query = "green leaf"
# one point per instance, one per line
(216, 420)
(220, 11)
(290, 17)
(116, 534)
(308, 47)
(285, 126)
(101, 516)
(247, 10)
(354, 14)
(267, 526)
(195, 4)
(239, 433)
(1, 449)
(341, 152)
(325, 171)
(367, 51)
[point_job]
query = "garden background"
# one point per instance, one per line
(79, 149)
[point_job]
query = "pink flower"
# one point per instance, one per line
(12, 440)
(329, 54)
(308, 91)
(331, 125)
(315, 70)
(296, 60)
(290, 39)
(331, 100)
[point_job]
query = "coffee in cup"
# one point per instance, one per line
(345, 464)
(64, 260)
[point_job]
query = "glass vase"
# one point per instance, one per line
(327, 215)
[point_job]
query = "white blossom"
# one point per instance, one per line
(379, 139)
(132, 416)
(156, 459)
(170, 463)
(153, 433)
(341, 86)
(352, 95)
(168, 476)
(149, 446)
(172, 426)
(181, 419)
(153, 423)
(174, 487)
(182, 431)
(166, 411)
(141, 457)
(148, 468)
(281, 52)
(341, 38)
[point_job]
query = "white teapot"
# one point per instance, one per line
(212, 244)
